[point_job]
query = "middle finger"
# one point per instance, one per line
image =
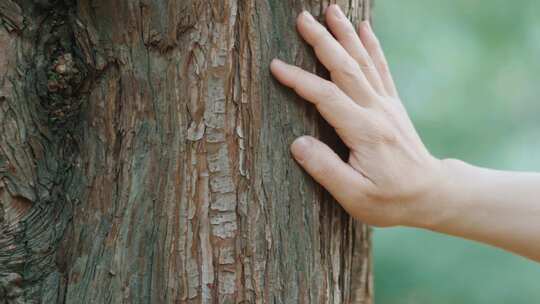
(345, 33)
(344, 70)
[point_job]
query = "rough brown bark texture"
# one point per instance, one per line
(144, 157)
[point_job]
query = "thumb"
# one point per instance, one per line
(329, 170)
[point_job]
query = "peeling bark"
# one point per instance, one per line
(144, 157)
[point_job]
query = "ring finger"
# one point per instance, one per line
(347, 36)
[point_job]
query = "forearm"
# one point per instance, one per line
(494, 207)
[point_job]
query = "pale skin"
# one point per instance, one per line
(390, 178)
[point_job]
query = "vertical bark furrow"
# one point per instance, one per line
(154, 132)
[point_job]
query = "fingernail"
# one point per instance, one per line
(300, 148)
(277, 65)
(338, 12)
(308, 16)
(276, 62)
(367, 25)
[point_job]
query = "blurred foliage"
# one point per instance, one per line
(467, 71)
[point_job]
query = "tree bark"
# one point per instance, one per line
(144, 157)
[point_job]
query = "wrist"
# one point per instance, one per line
(439, 204)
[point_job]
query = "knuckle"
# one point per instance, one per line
(368, 66)
(297, 72)
(380, 132)
(349, 32)
(390, 111)
(381, 196)
(383, 65)
(293, 75)
(297, 75)
(322, 171)
(331, 90)
(348, 68)
(319, 36)
(374, 43)
(388, 137)
(386, 134)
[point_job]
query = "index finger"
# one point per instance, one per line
(335, 106)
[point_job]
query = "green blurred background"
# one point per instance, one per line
(467, 71)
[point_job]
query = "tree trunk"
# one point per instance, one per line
(144, 157)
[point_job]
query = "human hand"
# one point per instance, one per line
(390, 176)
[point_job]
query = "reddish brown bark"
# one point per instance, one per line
(144, 158)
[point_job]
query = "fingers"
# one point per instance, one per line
(345, 33)
(335, 106)
(345, 71)
(373, 47)
(324, 165)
